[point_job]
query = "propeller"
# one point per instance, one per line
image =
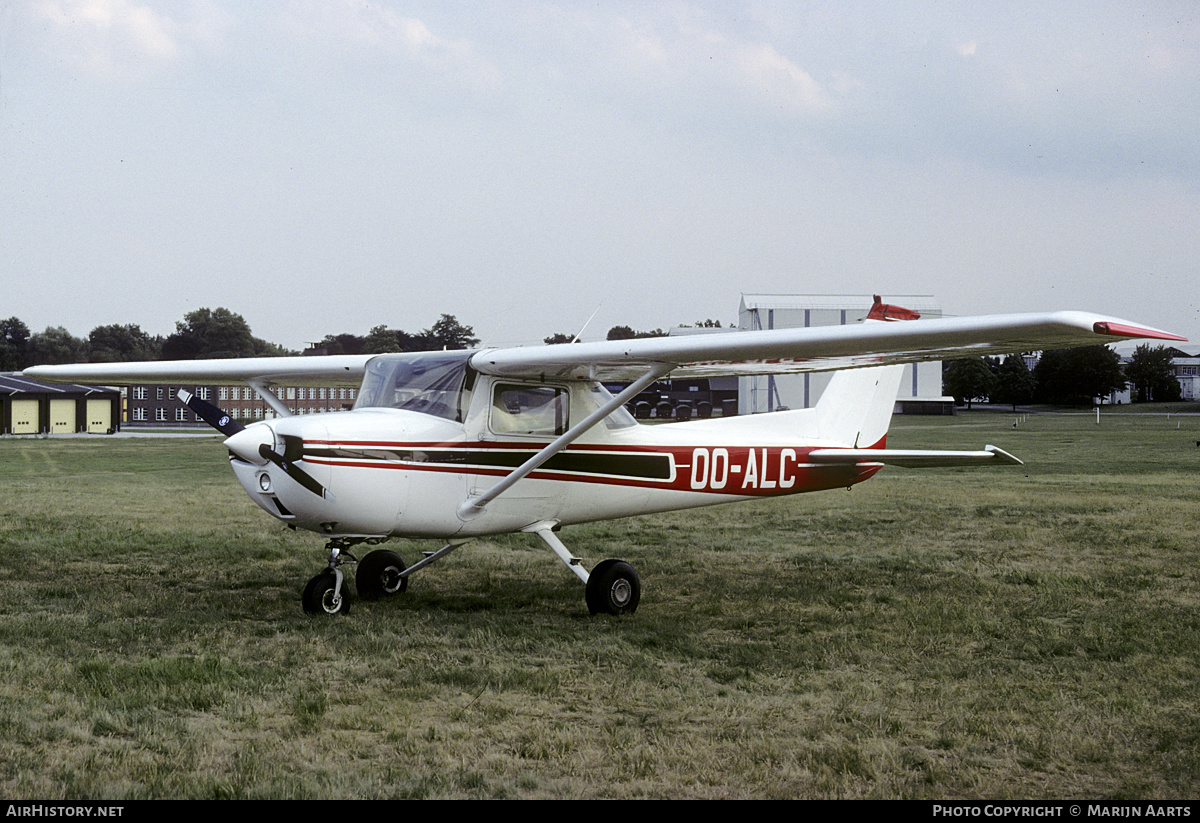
(210, 414)
(293, 450)
(293, 446)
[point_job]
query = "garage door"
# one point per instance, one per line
(99, 416)
(62, 416)
(25, 417)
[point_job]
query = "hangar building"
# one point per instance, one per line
(30, 407)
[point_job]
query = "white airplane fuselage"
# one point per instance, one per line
(395, 472)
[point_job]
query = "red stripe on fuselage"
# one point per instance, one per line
(732, 470)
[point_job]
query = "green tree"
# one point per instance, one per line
(448, 333)
(968, 379)
(1014, 382)
(14, 342)
(1152, 374)
(627, 333)
(1076, 376)
(55, 346)
(557, 338)
(121, 344)
(382, 339)
(337, 344)
(211, 333)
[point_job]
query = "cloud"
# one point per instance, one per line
(371, 30)
(124, 39)
(777, 80)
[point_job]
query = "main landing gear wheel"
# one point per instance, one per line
(378, 575)
(613, 588)
(319, 595)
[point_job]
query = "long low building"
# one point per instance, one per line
(159, 405)
(30, 407)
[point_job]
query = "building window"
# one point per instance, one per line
(139, 413)
(181, 415)
(139, 393)
(160, 392)
(160, 414)
(223, 393)
(203, 392)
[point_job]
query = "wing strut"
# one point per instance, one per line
(472, 508)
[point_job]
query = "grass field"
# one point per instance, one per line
(1025, 632)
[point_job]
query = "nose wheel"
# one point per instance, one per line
(326, 594)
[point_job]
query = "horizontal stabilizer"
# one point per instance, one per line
(914, 458)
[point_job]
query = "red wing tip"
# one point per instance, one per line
(1122, 330)
(886, 311)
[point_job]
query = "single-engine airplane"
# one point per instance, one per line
(459, 444)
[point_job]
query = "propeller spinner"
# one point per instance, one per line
(257, 444)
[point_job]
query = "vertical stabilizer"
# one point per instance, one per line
(856, 407)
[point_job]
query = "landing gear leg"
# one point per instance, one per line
(327, 593)
(613, 587)
(381, 573)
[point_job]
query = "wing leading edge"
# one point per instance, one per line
(823, 348)
(329, 370)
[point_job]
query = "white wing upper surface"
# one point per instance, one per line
(331, 370)
(778, 351)
(821, 348)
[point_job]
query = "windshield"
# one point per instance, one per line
(429, 382)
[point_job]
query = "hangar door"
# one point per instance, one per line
(99, 416)
(25, 416)
(62, 416)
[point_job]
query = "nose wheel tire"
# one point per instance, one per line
(378, 575)
(319, 597)
(613, 588)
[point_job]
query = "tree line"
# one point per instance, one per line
(1064, 377)
(201, 335)
(217, 333)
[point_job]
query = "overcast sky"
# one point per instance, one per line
(327, 166)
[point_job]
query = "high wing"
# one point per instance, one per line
(329, 370)
(778, 351)
(824, 348)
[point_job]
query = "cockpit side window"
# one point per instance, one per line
(536, 410)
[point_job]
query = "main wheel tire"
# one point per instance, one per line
(613, 587)
(319, 599)
(378, 575)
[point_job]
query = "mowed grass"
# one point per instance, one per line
(1022, 632)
